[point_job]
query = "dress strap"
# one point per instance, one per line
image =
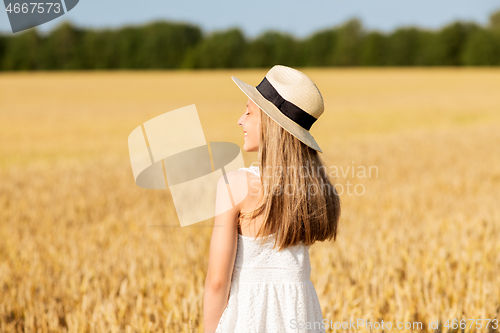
(253, 169)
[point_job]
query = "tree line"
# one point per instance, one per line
(173, 45)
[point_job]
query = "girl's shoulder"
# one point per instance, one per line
(252, 169)
(239, 178)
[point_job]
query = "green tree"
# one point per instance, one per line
(99, 50)
(482, 49)
(403, 46)
(127, 42)
(428, 51)
(451, 41)
(348, 45)
(221, 49)
(318, 49)
(22, 51)
(272, 48)
(62, 48)
(3, 46)
(374, 50)
(494, 23)
(164, 45)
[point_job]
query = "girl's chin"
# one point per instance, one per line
(249, 150)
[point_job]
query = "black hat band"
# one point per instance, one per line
(292, 111)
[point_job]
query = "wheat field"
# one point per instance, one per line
(84, 249)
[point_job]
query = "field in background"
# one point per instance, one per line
(83, 249)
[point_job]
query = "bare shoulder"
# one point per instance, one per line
(241, 184)
(238, 177)
(235, 177)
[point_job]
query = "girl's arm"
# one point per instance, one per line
(223, 247)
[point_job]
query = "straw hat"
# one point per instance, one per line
(290, 98)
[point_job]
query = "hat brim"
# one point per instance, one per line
(272, 111)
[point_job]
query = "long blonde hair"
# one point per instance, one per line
(300, 216)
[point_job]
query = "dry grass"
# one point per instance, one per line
(83, 249)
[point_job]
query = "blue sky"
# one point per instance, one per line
(299, 18)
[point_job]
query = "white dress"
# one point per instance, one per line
(271, 291)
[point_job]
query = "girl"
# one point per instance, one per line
(255, 286)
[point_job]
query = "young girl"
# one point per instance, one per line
(258, 277)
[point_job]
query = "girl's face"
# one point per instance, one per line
(250, 121)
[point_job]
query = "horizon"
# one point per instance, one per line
(385, 16)
(138, 25)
